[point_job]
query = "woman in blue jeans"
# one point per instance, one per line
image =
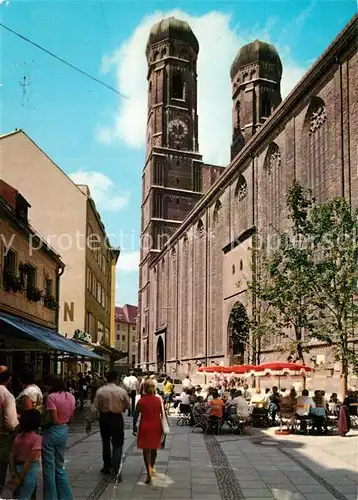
(25, 456)
(60, 405)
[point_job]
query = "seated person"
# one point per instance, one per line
(259, 400)
(184, 406)
(216, 407)
(242, 406)
(288, 407)
(318, 412)
(303, 407)
(334, 405)
(274, 404)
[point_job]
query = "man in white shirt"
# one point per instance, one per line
(184, 406)
(8, 422)
(304, 404)
(131, 385)
(242, 406)
(111, 401)
(303, 408)
(186, 383)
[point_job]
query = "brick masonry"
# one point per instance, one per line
(192, 284)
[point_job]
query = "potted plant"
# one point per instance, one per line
(34, 294)
(51, 303)
(11, 282)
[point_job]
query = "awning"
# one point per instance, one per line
(53, 340)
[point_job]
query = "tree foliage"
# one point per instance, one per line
(309, 280)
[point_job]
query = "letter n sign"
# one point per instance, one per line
(69, 311)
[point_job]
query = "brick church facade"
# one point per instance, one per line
(198, 220)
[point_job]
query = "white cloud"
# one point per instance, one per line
(128, 262)
(103, 190)
(219, 43)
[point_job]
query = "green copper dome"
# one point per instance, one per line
(255, 52)
(175, 29)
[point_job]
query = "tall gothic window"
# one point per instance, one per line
(185, 242)
(217, 211)
(317, 131)
(274, 185)
(200, 228)
(177, 86)
(241, 188)
(237, 116)
(265, 104)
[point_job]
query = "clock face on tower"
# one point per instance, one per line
(178, 129)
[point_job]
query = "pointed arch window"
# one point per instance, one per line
(177, 86)
(241, 188)
(273, 185)
(200, 229)
(317, 137)
(237, 116)
(265, 105)
(217, 212)
(185, 242)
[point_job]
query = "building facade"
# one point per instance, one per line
(126, 336)
(30, 273)
(190, 285)
(66, 217)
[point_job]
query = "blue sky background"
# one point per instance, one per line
(98, 137)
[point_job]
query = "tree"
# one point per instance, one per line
(281, 286)
(330, 229)
(309, 281)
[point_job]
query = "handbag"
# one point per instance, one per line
(164, 420)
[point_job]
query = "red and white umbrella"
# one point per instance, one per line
(241, 369)
(280, 369)
(213, 369)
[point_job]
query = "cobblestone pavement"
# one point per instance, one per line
(193, 466)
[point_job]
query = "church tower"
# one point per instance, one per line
(256, 90)
(172, 176)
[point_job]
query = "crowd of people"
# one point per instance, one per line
(269, 407)
(34, 419)
(34, 427)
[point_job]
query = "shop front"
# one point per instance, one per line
(22, 341)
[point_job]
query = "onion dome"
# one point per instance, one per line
(176, 30)
(256, 52)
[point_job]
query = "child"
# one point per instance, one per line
(25, 456)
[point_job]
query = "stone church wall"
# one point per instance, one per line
(208, 273)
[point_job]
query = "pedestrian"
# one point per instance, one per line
(131, 385)
(82, 389)
(31, 395)
(30, 398)
(150, 435)
(344, 421)
(60, 405)
(8, 422)
(111, 401)
(25, 456)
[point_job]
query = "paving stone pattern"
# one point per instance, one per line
(196, 467)
(259, 467)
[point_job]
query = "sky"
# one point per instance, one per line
(98, 136)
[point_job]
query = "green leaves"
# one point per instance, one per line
(309, 280)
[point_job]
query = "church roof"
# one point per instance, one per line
(255, 52)
(175, 29)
